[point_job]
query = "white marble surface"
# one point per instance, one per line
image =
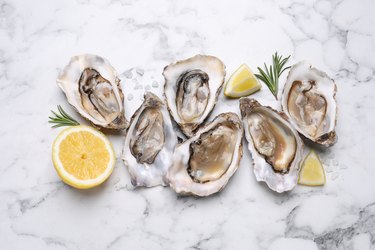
(37, 38)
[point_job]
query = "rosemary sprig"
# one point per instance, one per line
(61, 119)
(270, 75)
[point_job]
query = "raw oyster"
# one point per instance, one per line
(91, 86)
(203, 164)
(308, 100)
(191, 90)
(149, 143)
(274, 145)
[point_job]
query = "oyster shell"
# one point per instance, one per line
(149, 143)
(308, 99)
(203, 164)
(191, 90)
(274, 145)
(91, 86)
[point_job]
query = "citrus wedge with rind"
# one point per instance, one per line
(241, 83)
(83, 157)
(312, 171)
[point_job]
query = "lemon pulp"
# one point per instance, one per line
(241, 83)
(312, 171)
(83, 157)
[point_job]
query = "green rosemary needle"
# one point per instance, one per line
(61, 119)
(270, 75)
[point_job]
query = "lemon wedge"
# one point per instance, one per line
(83, 157)
(312, 171)
(241, 83)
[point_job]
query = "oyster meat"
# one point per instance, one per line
(149, 143)
(274, 145)
(191, 90)
(308, 99)
(91, 86)
(203, 164)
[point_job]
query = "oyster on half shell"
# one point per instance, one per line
(191, 90)
(91, 86)
(308, 99)
(275, 146)
(203, 164)
(149, 143)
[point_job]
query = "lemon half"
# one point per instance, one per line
(83, 157)
(241, 83)
(312, 171)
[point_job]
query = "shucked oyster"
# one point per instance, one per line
(91, 86)
(308, 100)
(203, 164)
(149, 143)
(274, 145)
(191, 89)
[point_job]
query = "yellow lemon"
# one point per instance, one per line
(312, 171)
(83, 157)
(241, 83)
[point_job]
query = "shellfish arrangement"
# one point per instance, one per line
(211, 151)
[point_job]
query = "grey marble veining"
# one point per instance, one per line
(38, 211)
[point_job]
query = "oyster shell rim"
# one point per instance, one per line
(327, 139)
(196, 126)
(193, 188)
(114, 80)
(160, 178)
(293, 171)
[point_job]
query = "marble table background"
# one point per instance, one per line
(37, 39)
